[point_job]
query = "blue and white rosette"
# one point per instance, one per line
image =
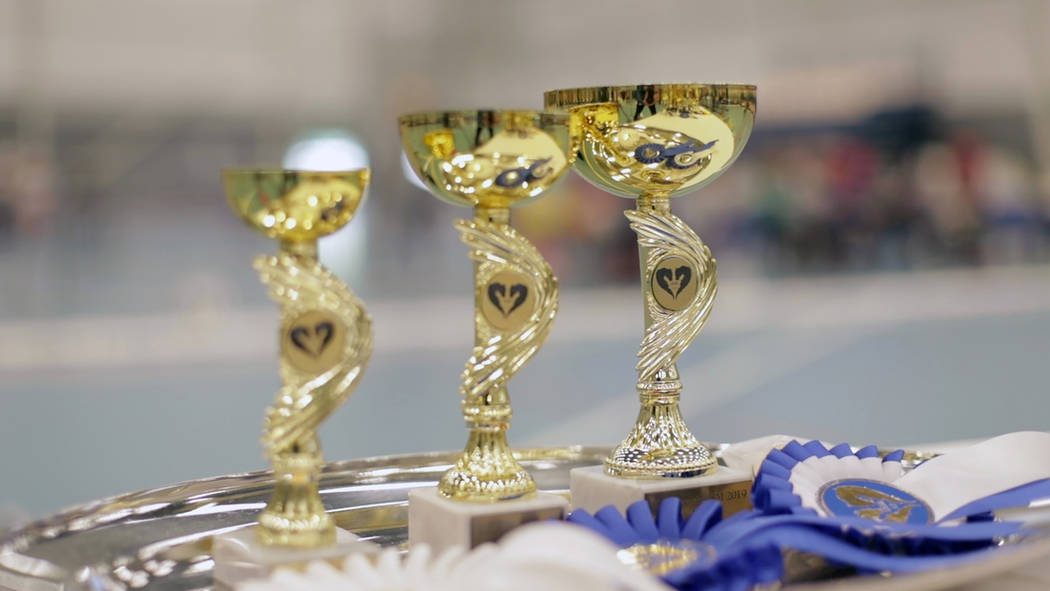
(680, 551)
(852, 508)
(707, 553)
(810, 479)
(791, 479)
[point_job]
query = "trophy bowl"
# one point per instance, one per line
(295, 205)
(487, 158)
(663, 139)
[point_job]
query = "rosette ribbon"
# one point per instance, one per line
(680, 551)
(707, 553)
(1008, 471)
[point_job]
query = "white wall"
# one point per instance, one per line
(266, 57)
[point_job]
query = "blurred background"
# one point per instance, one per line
(883, 242)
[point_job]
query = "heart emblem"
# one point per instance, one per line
(673, 282)
(506, 301)
(313, 340)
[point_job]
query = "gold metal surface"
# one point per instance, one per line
(487, 159)
(325, 335)
(491, 161)
(663, 557)
(653, 142)
(660, 139)
(295, 206)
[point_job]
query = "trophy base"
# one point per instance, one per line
(593, 489)
(685, 462)
(442, 523)
(239, 555)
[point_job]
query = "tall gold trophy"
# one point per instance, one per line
(651, 143)
(490, 161)
(325, 342)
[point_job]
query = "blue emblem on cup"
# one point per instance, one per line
(680, 156)
(870, 499)
(515, 177)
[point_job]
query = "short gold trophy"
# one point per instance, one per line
(325, 339)
(490, 161)
(651, 143)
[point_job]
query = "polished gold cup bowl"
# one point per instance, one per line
(295, 205)
(486, 158)
(492, 160)
(659, 139)
(325, 334)
(651, 142)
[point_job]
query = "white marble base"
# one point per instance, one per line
(593, 489)
(443, 523)
(240, 557)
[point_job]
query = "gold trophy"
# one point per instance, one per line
(325, 343)
(490, 161)
(651, 143)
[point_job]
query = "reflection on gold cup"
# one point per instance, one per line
(325, 334)
(492, 161)
(295, 206)
(652, 142)
(487, 159)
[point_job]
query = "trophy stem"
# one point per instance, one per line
(660, 444)
(659, 205)
(486, 471)
(295, 515)
(306, 249)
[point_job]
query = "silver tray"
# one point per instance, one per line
(161, 538)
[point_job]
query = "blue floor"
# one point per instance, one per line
(73, 436)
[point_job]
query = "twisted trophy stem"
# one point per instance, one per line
(516, 300)
(679, 284)
(326, 341)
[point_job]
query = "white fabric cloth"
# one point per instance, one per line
(983, 469)
(944, 483)
(551, 556)
(748, 455)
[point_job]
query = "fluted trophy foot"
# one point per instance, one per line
(660, 446)
(463, 484)
(295, 520)
(486, 471)
(639, 462)
(295, 515)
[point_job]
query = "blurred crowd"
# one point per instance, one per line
(901, 189)
(27, 197)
